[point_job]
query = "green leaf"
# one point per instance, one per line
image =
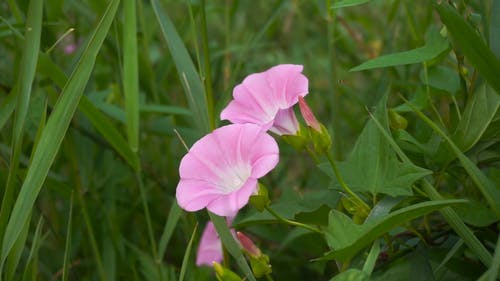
(352, 274)
(442, 78)
(471, 44)
(230, 244)
(435, 45)
(348, 3)
(54, 132)
(347, 238)
(373, 158)
(479, 113)
(130, 73)
(188, 75)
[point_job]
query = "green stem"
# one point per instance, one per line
(208, 74)
(149, 225)
(290, 222)
(362, 204)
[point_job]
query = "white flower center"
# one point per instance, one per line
(234, 178)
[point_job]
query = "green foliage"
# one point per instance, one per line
(99, 101)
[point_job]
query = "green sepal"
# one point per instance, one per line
(225, 274)
(260, 200)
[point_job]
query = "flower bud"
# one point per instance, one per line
(224, 274)
(308, 115)
(396, 121)
(248, 245)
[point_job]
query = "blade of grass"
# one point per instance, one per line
(102, 123)
(207, 77)
(494, 270)
(8, 107)
(67, 246)
(448, 213)
(348, 3)
(231, 245)
(173, 217)
(190, 79)
(484, 184)
(187, 253)
(35, 245)
(16, 253)
(54, 132)
(149, 224)
(91, 236)
(495, 28)
(99, 120)
(371, 260)
(478, 53)
(24, 84)
(130, 73)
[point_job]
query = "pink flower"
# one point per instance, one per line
(267, 98)
(221, 170)
(210, 248)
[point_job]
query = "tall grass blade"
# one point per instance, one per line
(8, 107)
(67, 246)
(35, 245)
(23, 85)
(471, 44)
(231, 245)
(102, 123)
(130, 73)
(173, 217)
(187, 254)
(190, 79)
(99, 120)
(495, 28)
(54, 132)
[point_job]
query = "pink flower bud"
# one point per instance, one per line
(248, 245)
(309, 117)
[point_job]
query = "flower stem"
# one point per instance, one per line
(290, 222)
(362, 204)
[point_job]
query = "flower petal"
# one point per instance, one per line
(194, 195)
(260, 97)
(230, 204)
(285, 122)
(210, 248)
(220, 171)
(287, 83)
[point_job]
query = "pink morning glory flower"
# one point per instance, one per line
(221, 170)
(210, 248)
(267, 98)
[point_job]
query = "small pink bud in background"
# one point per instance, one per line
(248, 245)
(309, 117)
